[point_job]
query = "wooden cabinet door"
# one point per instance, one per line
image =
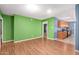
(62, 35)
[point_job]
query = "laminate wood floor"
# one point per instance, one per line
(37, 47)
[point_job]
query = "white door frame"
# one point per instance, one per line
(45, 22)
(2, 27)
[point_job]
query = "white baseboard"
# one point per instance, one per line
(50, 39)
(26, 39)
(7, 41)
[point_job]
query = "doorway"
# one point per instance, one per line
(0, 33)
(66, 31)
(45, 33)
(45, 30)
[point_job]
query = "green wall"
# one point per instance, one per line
(19, 27)
(25, 28)
(0, 13)
(50, 27)
(7, 28)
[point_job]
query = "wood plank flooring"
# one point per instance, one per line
(37, 47)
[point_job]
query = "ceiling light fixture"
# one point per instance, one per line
(49, 11)
(32, 7)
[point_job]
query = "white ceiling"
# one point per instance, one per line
(58, 10)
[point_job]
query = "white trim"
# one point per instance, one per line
(75, 29)
(51, 38)
(2, 27)
(26, 39)
(45, 22)
(7, 41)
(74, 35)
